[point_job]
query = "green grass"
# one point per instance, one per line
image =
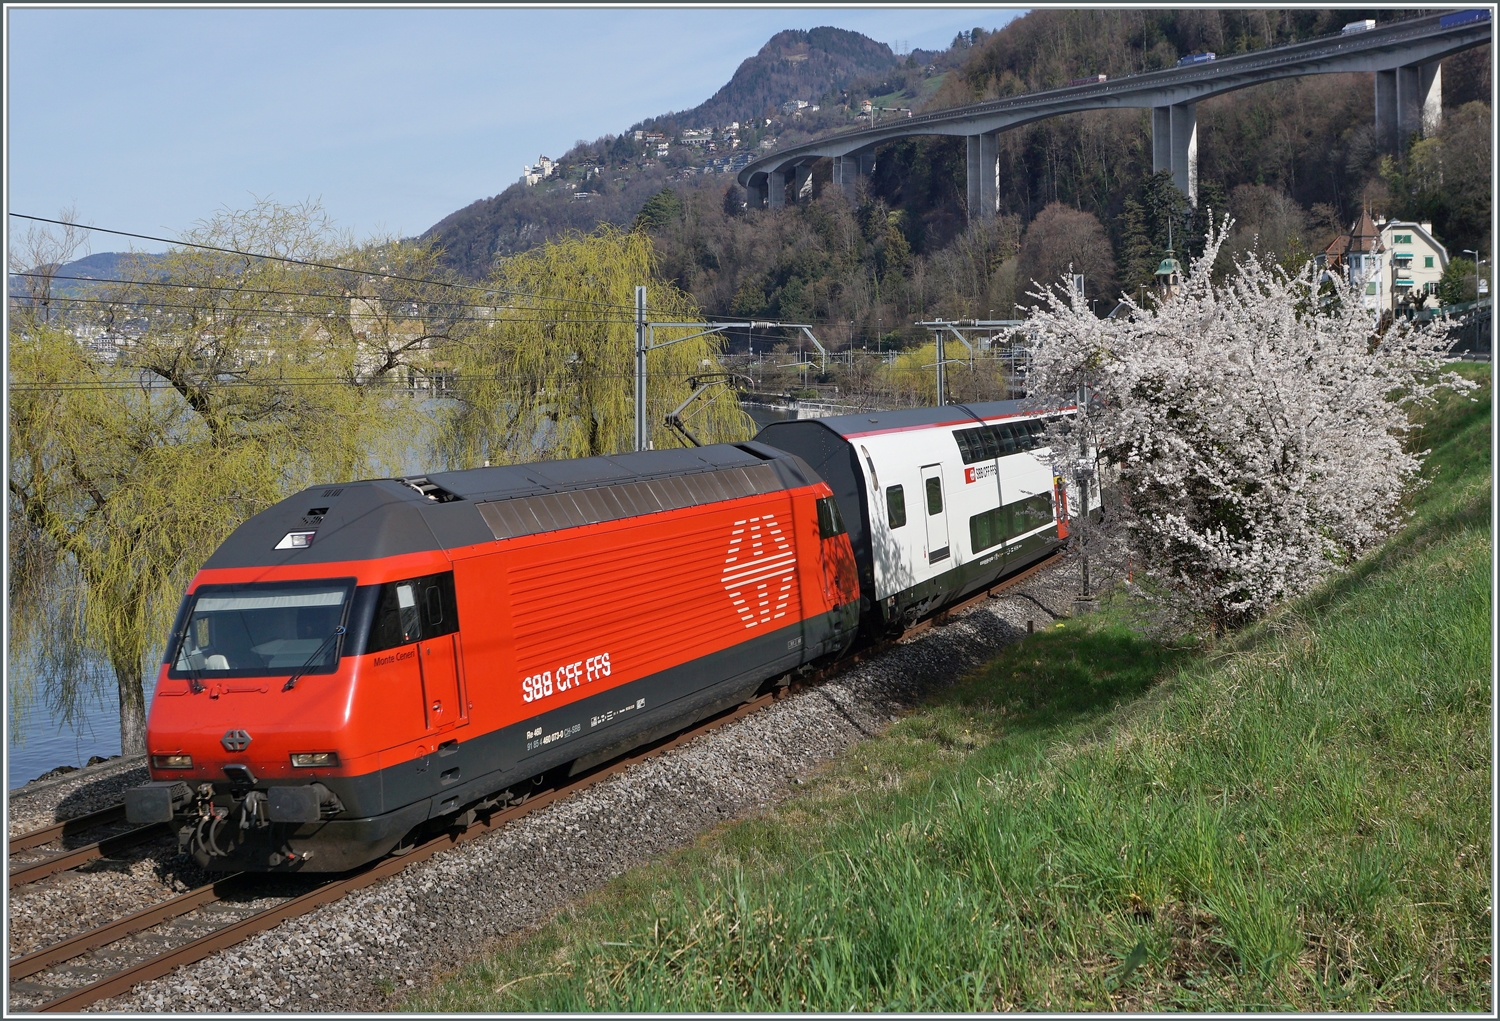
(1297, 818)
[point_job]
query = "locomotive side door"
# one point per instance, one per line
(442, 697)
(936, 517)
(440, 683)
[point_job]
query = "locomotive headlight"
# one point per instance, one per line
(172, 761)
(305, 760)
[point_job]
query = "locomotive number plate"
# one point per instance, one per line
(564, 676)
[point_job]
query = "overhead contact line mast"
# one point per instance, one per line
(645, 340)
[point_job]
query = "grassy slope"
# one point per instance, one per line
(1297, 819)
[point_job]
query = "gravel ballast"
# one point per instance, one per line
(364, 952)
(42, 803)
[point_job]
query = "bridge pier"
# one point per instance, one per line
(757, 192)
(1408, 101)
(1174, 146)
(776, 182)
(845, 173)
(983, 176)
(802, 175)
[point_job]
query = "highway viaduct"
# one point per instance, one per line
(1403, 55)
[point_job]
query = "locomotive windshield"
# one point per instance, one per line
(258, 629)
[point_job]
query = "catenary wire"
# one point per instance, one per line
(324, 265)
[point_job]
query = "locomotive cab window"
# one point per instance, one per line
(829, 521)
(895, 506)
(255, 629)
(409, 611)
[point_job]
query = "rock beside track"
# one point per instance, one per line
(365, 952)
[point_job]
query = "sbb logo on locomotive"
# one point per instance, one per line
(759, 554)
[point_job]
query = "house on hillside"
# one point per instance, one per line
(1394, 262)
(1355, 258)
(1415, 261)
(543, 169)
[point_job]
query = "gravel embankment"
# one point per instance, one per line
(366, 951)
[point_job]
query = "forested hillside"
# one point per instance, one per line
(1294, 162)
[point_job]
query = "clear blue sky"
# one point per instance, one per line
(146, 120)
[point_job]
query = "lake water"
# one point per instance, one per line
(46, 744)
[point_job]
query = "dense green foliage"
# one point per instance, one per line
(1295, 819)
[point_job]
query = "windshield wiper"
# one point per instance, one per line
(291, 682)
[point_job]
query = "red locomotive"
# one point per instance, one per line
(361, 659)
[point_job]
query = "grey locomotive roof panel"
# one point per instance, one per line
(387, 517)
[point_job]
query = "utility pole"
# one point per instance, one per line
(640, 368)
(1474, 309)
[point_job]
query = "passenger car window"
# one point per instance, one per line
(895, 506)
(1031, 513)
(986, 530)
(934, 495)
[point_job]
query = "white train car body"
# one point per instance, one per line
(940, 502)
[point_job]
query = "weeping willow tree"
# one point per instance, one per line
(230, 383)
(552, 374)
(912, 378)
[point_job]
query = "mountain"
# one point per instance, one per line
(73, 278)
(793, 65)
(615, 175)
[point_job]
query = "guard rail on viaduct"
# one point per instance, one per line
(1403, 55)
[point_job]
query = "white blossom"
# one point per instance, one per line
(1254, 433)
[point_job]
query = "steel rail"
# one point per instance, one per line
(238, 931)
(68, 827)
(40, 960)
(71, 859)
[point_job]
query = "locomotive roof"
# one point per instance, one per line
(376, 518)
(875, 422)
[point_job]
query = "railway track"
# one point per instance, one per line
(112, 958)
(52, 849)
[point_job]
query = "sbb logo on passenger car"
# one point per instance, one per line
(568, 675)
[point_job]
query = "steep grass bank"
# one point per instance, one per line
(1297, 819)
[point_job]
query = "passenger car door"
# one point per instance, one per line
(936, 516)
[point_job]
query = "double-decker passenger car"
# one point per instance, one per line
(940, 502)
